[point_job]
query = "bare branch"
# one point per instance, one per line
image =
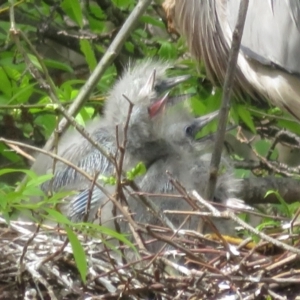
(223, 115)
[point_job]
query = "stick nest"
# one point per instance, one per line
(41, 265)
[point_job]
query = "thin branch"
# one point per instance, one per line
(246, 226)
(223, 115)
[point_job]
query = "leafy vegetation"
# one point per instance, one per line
(49, 50)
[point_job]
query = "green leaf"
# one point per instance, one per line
(54, 64)
(5, 85)
(266, 224)
(6, 152)
(111, 180)
(57, 216)
(73, 10)
(106, 231)
(87, 50)
(139, 170)
(87, 113)
(29, 173)
(246, 117)
(22, 93)
(198, 107)
(153, 21)
(30, 191)
(129, 47)
(241, 173)
(96, 19)
(167, 50)
(262, 147)
(58, 196)
(35, 61)
(123, 3)
(37, 181)
(12, 72)
(285, 207)
(293, 126)
(79, 254)
(47, 122)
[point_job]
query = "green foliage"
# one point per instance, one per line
(167, 50)
(79, 254)
(262, 147)
(285, 209)
(73, 10)
(290, 125)
(111, 180)
(244, 114)
(70, 38)
(89, 54)
(126, 4)
(139, 170)
(18, 200)
(132, 174)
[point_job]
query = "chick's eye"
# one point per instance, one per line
(189, 130)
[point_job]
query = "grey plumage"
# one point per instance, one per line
(176, 135)
(268, 65)
(188, 161)
(142, 84)
(161, 139)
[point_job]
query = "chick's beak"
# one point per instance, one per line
(169, 83)
(204, 120)
(158, 105)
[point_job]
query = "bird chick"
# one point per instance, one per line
(142, 84)
(188, 161)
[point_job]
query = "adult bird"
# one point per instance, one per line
(144, 85)
(268, 64)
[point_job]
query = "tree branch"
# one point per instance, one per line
(223, 115)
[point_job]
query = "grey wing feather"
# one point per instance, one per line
(271, 34)
(78, 204)
(81, 153)
(100, 211)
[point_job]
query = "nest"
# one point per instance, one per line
(41, 265)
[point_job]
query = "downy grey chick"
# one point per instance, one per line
(188, 161)
(142, 84)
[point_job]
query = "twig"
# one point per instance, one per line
(223, 115)
(246, 226)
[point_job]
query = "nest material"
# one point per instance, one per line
(41, 266)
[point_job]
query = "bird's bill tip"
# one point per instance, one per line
(204, 120)
(158, 105)
(169, 83)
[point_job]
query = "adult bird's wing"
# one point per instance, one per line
(271, 33)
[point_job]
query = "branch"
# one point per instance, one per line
(223, 115)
